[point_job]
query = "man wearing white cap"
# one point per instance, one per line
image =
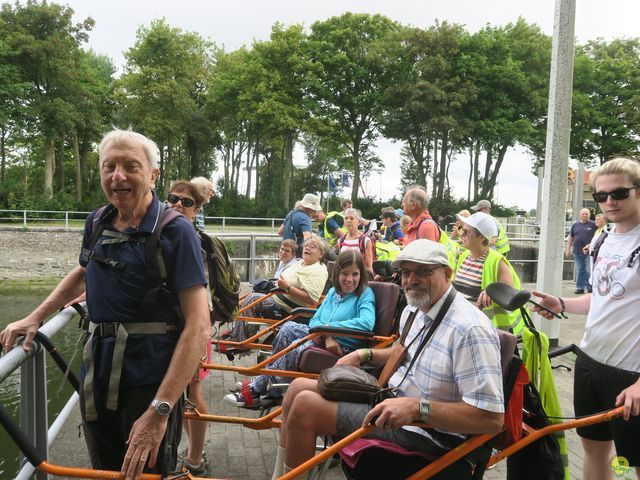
(501, 241)
(451, 344)
(297, 223)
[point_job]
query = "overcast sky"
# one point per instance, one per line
(238, 22)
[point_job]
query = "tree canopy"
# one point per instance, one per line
(453, 99)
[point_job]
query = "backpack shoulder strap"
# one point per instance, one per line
(600, 240)
(103, 215)
(155, 267)
(362, 244)
(341, 241)
(206, 242)
(596, 246)
(430, 220)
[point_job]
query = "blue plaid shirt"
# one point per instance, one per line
(460, 363)
(200, 221)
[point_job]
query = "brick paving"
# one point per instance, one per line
(235, 452)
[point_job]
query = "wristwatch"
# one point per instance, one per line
(424, 409)
(163, 408)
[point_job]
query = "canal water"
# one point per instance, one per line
(16, 302)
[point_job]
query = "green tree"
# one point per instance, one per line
(353, 67)
(164, 75)
(94, 114)
(509, 67)
(12, 93)
(606, 103)
(236, 80)
(425, 103)
(45, 46)
(283, 108)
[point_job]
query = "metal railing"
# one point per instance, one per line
(33, 393)
(252, 259)
(72, 219)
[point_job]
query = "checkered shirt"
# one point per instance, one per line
(461, 361)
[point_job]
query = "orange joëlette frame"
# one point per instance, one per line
(260, 368)
(467, 447)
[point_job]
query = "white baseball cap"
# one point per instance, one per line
(482, 222)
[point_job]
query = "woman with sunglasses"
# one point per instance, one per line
(349, 304)
(185, 198)
(479, 265)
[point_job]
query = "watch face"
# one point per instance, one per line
(163, 408)
(425, 408)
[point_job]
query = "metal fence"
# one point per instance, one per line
(70, 219)
(250, 266)
(33, 393)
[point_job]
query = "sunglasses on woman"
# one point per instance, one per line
(617, 194)
(186, 202)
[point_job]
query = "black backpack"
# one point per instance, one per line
(542, 458)
(224, 283)
(157, 292)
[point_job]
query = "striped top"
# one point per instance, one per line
(468, 279)
(354, 244)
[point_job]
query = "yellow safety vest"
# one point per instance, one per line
(331, 237)
(502, 242)
(501, 318)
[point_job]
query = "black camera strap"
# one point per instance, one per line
(432, 329)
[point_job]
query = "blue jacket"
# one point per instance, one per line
(348, 312)
(393, 232)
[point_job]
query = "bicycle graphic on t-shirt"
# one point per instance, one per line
(606, 283)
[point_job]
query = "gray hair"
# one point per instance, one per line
(202, 184)
(355, 212)
(418, 194)
(319, 241)
(129, 137)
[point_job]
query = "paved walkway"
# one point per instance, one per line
(235, 452)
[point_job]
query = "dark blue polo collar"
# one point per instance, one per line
(151, 218)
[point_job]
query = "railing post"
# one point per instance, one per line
(33, 403)
(223, 223)
(252, 261)
(66, 219)
(24, 218)
(273, 224)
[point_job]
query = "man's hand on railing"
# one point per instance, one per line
(26, 327)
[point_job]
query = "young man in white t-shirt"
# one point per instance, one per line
(608, 365)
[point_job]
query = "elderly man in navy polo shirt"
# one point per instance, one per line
(145, 334)
(581, 235)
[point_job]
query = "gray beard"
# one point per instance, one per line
(419, 301)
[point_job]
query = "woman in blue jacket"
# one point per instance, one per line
(349, 304)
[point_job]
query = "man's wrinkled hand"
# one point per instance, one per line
(143, 443)
(393, 413)
(27, 327)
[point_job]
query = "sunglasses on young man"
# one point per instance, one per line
(186, 202)
(617, 194)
